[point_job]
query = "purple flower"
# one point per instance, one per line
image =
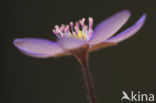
(71, 36)
(79, 39)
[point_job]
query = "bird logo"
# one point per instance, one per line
(125, 96)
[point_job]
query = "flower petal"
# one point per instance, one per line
(36, 47)
(128, 32)
(108, 27)
(71, 43)
(101, 45)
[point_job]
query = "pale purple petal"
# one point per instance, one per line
(108, 27)
(32, 54)
(36, 47)
(128, 32)
(71, 43)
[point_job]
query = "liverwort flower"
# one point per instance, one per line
(79, 39)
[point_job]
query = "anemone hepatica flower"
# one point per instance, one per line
(79, 39)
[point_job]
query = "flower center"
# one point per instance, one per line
(79, 30)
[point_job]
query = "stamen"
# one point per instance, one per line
(85, 28)
(56, 27)
(77, 24)
(90, 22)
(71, 25)
(58, 30)
(82, 22)
(67, 28)
(62, 28)
(75, 31)
(54, 31)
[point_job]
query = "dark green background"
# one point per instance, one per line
(129, 66)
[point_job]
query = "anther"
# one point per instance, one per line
(90, 22)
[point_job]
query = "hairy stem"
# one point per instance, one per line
(83, 59)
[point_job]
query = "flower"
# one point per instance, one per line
(72, 37)
(79, 39)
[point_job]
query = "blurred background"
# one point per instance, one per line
(130, 66)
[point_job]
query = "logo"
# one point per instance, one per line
(137, 96)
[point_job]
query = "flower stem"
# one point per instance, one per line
(83, 59)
